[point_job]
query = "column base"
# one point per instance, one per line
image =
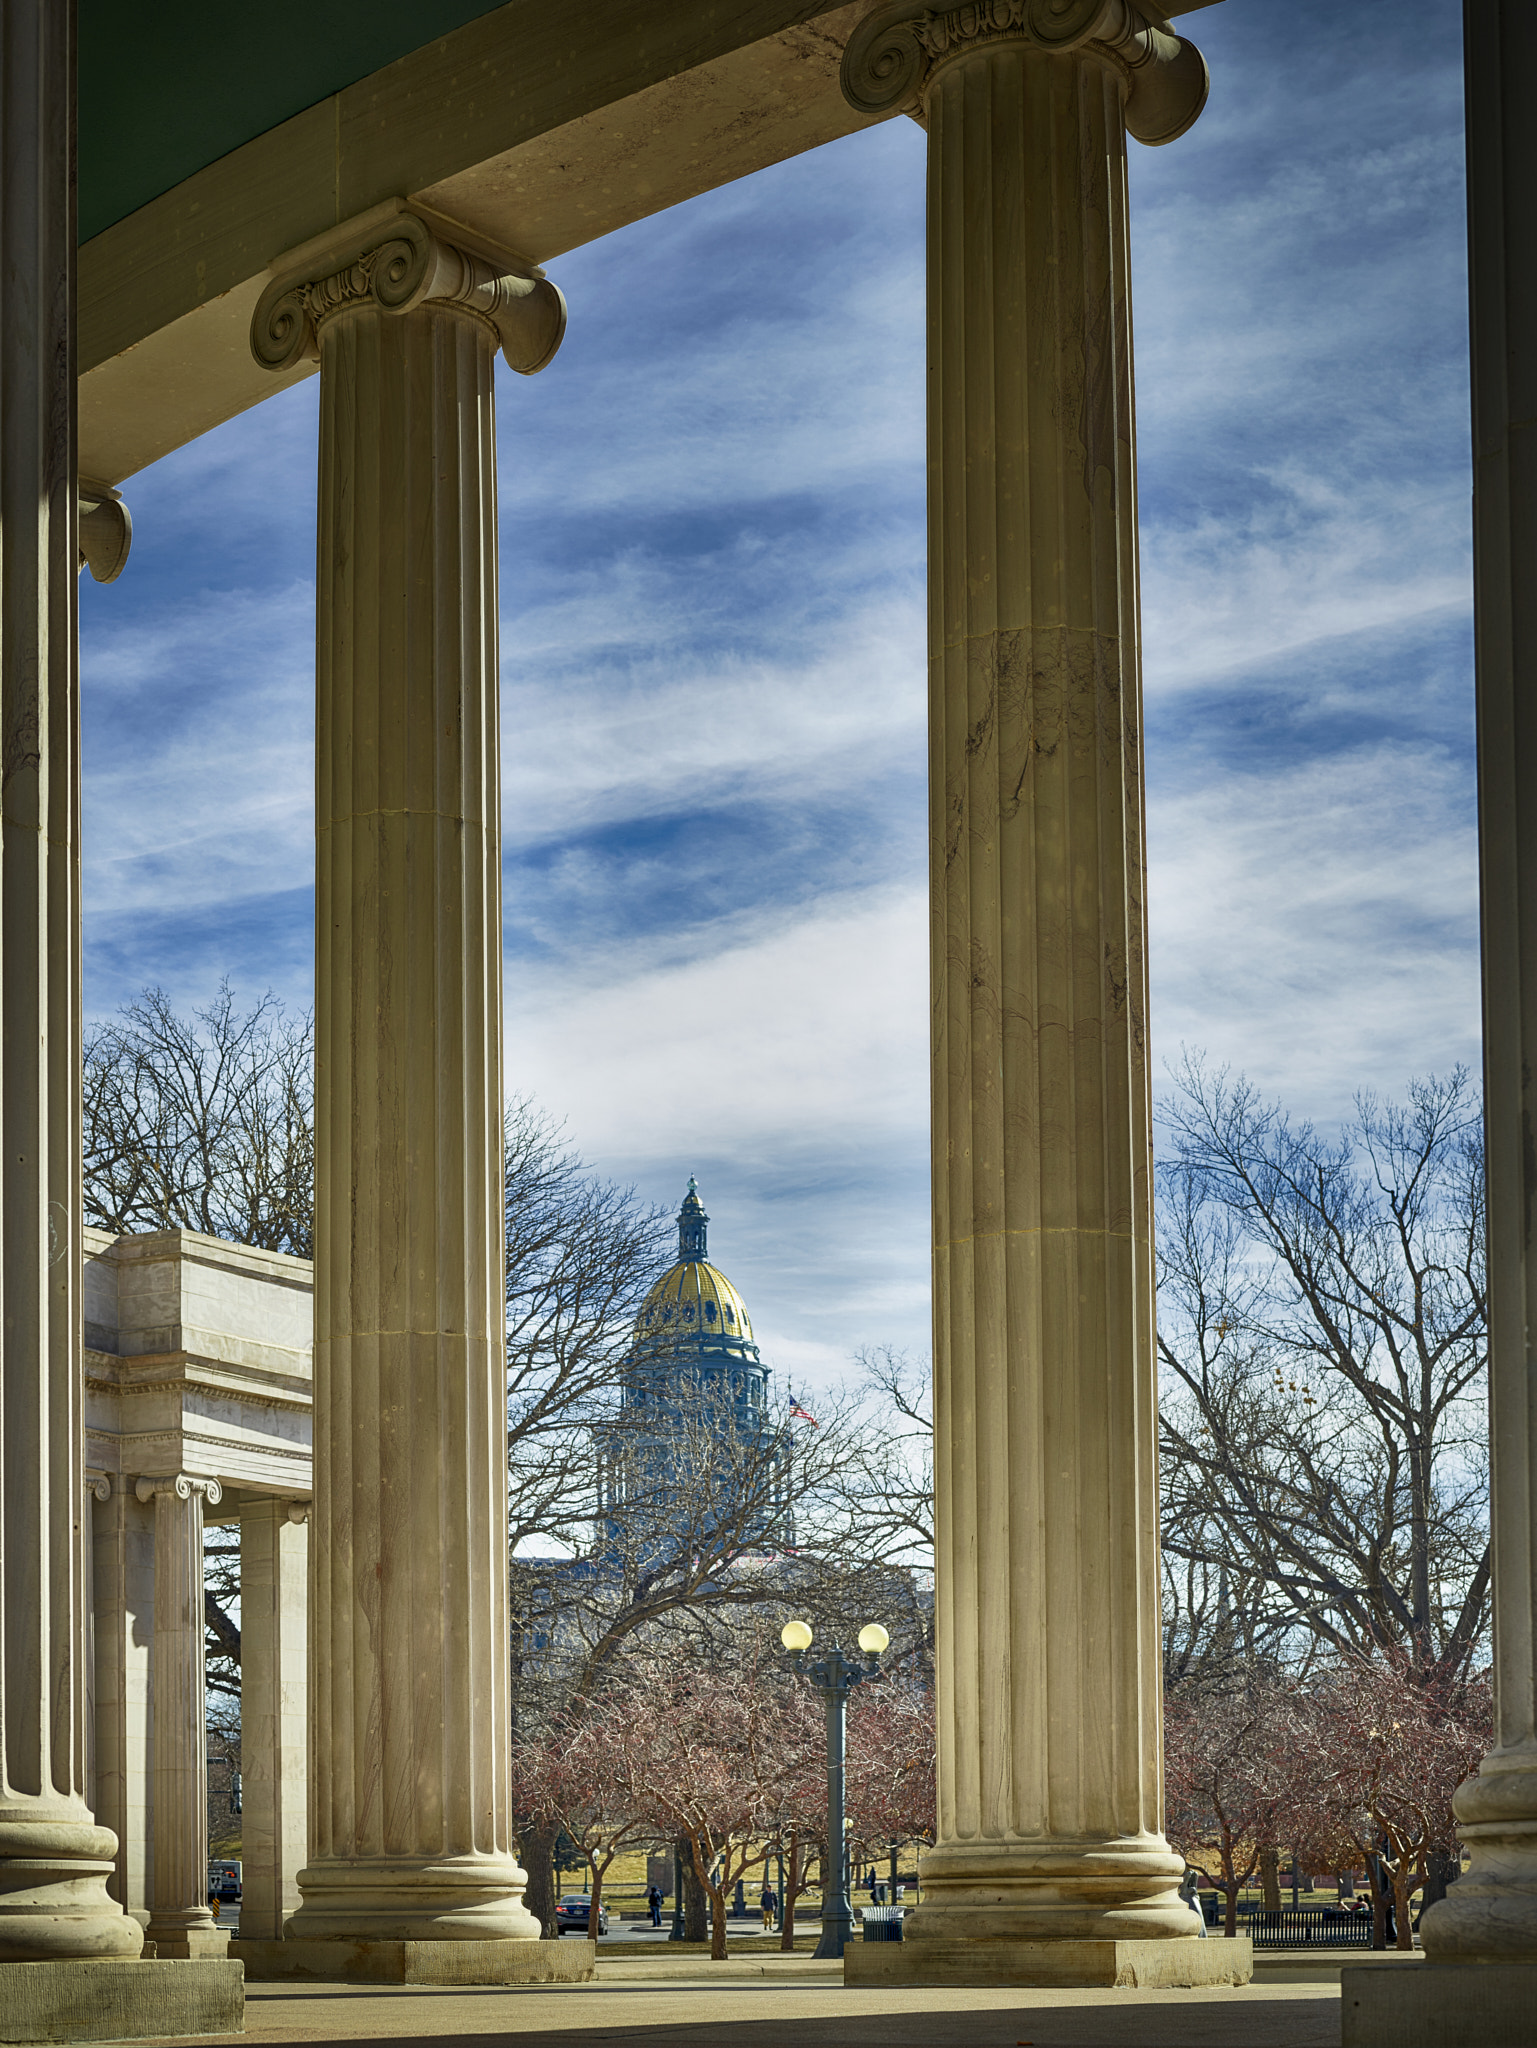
(1041, 1965)
(189, 1944)
(117, 2001)
(1119, 1889)
(1439, 2005)
(418, 1962)
(458, 1898)
(54, 1903)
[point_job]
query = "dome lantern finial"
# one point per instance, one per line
(691, 1224)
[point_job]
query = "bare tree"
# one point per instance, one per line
(221, 1631)
(711, 1520)
(887, 1477)
(1322, 1334)
(581, 1253)
(202, 1123)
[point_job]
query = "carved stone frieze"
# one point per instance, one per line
(399, 263)
(895, 52)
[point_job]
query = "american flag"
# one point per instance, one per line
(804, 1414)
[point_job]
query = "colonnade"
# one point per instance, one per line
(1050, 1825)
(149, 1717)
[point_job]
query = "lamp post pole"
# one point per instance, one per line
(677, 1933)
(834, 1677)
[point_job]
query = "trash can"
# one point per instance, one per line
(882, 1923)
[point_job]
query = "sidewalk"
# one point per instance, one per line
(804, 2006)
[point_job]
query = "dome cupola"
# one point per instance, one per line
(692, 1224)
(693, 1306)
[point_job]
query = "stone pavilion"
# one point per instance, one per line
(381, 197)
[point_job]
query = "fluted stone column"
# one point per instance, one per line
(1490, 1915)
(180, 1923)
(1050, 1800)
(123, 1608)
(410, 1832)
(1479, 1980)
(274, 1561)
(54, 1859)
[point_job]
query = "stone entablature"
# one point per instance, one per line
(198, 1360)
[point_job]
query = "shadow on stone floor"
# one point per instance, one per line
(1164, 2020)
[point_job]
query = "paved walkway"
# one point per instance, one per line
(798, 2005)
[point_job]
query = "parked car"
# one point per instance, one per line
(575, 1911)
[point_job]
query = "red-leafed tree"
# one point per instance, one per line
(891, 1760)
(582, 1777)
(724, 1750)
(1384, 1748)
(1230, 1763)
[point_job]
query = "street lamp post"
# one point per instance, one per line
(834, 1677)
(678, 1931)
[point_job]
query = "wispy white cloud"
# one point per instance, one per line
(240, 668)
(785, 1062)
(604, 741)
(1361, 966)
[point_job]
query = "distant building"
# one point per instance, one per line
(694, 1446)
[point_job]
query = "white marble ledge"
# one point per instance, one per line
(288, 1385)
(194, 1247)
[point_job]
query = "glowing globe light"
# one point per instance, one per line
(795, 1635)
(873, 1639)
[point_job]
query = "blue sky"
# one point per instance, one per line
(713, 648)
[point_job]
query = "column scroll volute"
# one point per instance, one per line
(894, 52)
(106, 531)
(182, 1485)
(400, 263)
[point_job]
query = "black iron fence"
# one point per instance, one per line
(1296, 1926)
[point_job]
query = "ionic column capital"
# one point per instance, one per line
(395, 261)
(182, 1486)
(894, 52)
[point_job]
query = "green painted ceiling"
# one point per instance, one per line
(170, 85)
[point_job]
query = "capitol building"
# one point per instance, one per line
(694, 1448)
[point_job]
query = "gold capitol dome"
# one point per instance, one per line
(694, 1303)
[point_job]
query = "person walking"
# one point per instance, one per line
(770, 1904)
(1190, 1892)
(654, 1901)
